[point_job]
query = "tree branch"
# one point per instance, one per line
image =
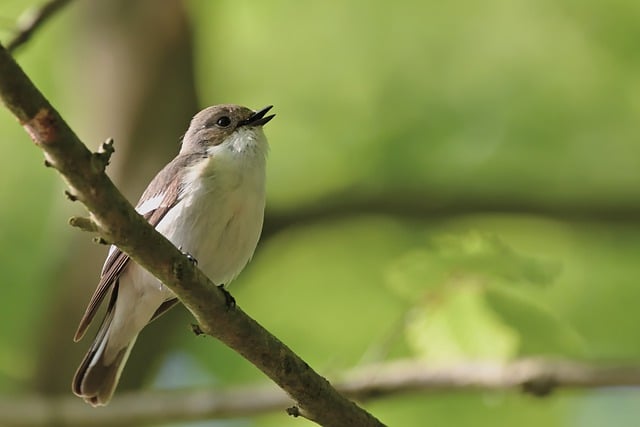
(33, 19)
(420, 205)
(536, 376)
(117, 222)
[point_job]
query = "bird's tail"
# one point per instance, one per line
(98, 375)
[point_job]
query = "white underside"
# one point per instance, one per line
(218, 221)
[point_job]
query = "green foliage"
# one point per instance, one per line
(525, 104)
(513, 100)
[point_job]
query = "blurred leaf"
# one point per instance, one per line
(489, 256)
(482, 255)
(415, 273)
(446, 286)
(542, 332)
(458, 326)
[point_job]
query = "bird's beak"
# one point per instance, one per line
(258, 118)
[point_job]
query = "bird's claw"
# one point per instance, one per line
(190, 257)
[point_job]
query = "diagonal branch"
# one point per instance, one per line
(116, 221)
(33, 19)
(535, 376)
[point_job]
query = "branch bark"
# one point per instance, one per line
(118, 223)
(536, 376)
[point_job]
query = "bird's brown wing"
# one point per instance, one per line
(166, 196)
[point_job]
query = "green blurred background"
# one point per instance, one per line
(449, 181)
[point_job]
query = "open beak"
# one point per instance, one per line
(258, 118)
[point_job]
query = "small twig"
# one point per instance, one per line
(297, 412)
(294, 411)
(100, 241)
(83, 223)
(197, 331)
(100, 159)
(33, 19)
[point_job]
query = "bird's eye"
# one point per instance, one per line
(223, 121)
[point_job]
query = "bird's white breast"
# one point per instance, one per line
(219, 217)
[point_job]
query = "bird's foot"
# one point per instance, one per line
(189, 256)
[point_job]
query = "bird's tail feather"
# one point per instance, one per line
(97, 378)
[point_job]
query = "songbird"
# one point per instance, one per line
(209, 202)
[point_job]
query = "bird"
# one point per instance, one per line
(209, 202)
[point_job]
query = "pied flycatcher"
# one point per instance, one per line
(209, 202)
